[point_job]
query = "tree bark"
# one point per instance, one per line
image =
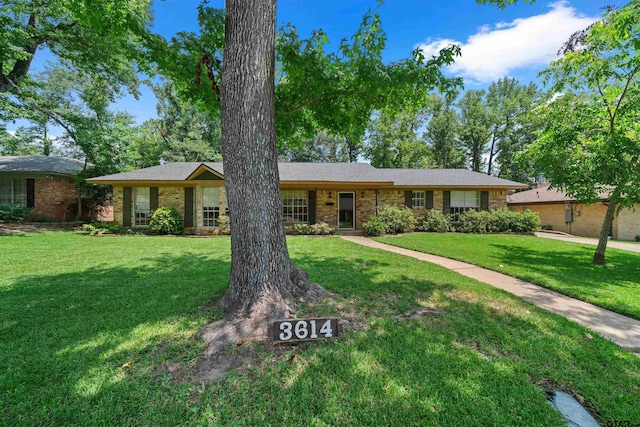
(262, 275)
(598, 256)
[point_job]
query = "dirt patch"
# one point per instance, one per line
(419, 313)
(9, 228)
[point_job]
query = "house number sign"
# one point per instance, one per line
(303, 329)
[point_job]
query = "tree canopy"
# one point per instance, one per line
(590, 141)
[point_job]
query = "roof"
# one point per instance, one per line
(543, 194)
(446, 178)
(40, 164)
(326, 173)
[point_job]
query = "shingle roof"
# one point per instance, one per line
(445, 178)
(543, 194)
(330, 172)
(40, 164)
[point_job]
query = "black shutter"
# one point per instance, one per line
(408, 198)
(484, 201)
(446, 202)
(428, 203)
(31, 192)
(188, 206)
(312, 207)
(126, 207)
(153, 196)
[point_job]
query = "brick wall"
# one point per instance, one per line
(117, 205)
(627, 224)
(52, 196)
(587, 220)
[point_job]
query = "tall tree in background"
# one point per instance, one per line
(100, 38)
(393, 141)
(185, 133)
(442, 134)
(322, 148)
(474, 128)
(590, 141)
(507, 101)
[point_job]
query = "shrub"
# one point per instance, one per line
(637, 237)
(317, 229)
(499, 221)
(436, 221)
(166, 221)
(397, 220)
(14, 212)
(100, 228)
(224, 224)
(374, 226)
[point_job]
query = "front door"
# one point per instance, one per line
(346, 211)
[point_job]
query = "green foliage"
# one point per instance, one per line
(100, 228)
(393, 140)
(499, 221)
(14, 212)
(588, 145)
(436, 221)
(395, 220)
(166, 221)
(323, 147)
(317, 229)
(442, 133)
(474, 132)
(224, 224)
(374, 226)
(637, 237)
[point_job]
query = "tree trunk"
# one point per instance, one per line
(263, 281)
(598, 256)
(491, 153)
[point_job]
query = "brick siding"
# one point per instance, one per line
(52, 197)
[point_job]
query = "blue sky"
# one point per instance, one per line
(518, 41)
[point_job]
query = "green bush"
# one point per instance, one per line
(374, 226)
(436, 221)
(100, 228)
(14, 212)
(499, 221)
(317, 229)
(224, 224)
(166, 221)
(637, 237)
(397, 220)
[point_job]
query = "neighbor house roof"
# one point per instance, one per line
(543, 194)
(324, 173)
(40, 164)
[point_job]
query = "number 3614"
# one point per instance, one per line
(305, 329)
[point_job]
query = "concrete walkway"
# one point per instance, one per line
(620, 329)
(633, 247)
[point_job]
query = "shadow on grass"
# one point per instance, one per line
(66, 337)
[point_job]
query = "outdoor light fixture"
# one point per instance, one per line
(329, 194)
(362, 194)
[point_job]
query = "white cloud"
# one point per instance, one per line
(494, 51)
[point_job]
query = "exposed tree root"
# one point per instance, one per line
(246, 323)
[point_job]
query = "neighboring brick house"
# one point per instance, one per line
(562, 213)
(43, 183)
(343, 195)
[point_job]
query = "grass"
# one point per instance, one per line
(86, 322)
(562, 266)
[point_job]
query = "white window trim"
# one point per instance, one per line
(135, 211)
(215, 209)
(418, 200)
(298, 209)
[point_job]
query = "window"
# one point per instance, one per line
(462, 201)
(210, 206)
(295, 206)
(141, 206)
(418, 199)
(13, 190)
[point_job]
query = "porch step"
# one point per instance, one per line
(351, 233)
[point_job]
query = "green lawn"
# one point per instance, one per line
(86, 322)
(563, 266)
